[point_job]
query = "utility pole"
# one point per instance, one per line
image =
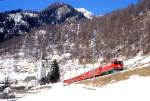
(84, 58)
(70, 73)
(93, 49)
(62, 75)
(76, 71)
(84, 66)
(78, 41)
(78, 29)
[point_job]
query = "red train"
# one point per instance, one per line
(115, 65)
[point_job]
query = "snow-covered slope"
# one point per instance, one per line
(86, 13)
(134, 89)
(137, 61)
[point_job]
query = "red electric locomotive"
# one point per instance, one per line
(115, 65)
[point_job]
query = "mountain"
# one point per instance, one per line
(122, 34)
(86, 13)
(60, 12)
(16, 22)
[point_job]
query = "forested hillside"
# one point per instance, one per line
(121, 33)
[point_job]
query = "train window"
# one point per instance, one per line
(115, 62)
(118, 62)
(121, 62)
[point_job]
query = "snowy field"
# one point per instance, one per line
(134, 89)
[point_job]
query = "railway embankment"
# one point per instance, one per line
(116, 77)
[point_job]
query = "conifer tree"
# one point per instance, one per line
(54, 75)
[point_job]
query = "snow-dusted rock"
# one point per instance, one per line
(86, 13)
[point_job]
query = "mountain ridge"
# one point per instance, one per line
(16, 22)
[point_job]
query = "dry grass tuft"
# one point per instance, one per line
(124, 75)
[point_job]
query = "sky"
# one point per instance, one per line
(98, 7)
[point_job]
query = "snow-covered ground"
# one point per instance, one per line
(137, 61)
(16, 69)
(13, 76)
(134, 89)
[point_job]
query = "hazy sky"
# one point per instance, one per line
(98, 7)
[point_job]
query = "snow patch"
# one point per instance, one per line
(17, 18)
(86, 13)
(42, 32)
(31, 14)
(1, 30)
(137, 61)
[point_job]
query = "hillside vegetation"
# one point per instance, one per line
(121, 34)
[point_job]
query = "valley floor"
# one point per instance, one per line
(132, 85)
